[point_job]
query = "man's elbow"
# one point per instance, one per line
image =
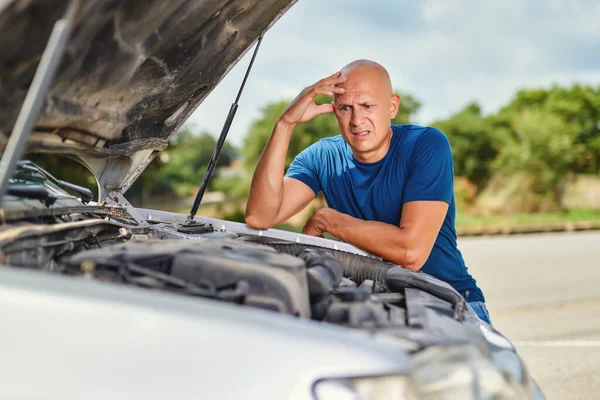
(257, 223)
(415, 259)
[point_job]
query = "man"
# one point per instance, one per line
(389, 188)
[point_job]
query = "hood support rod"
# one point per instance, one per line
(34, 99)
(215, 155)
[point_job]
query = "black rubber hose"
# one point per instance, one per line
(393, 278)
(324, 267)
(356, 267)
(324, 274)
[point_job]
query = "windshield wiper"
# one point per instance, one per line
(85, 193)
(113, 212)
(31, 192)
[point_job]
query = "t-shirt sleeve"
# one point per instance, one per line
(304, 168)
(431, 169)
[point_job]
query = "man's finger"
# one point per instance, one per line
(332, 76)
(329, 90)
(324, 109)
(335, 89)
(305, 228)
(323, 81)
(334, 80)
(310, 230)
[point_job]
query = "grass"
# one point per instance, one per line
(524, 219)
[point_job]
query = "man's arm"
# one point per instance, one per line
(273, 199)
(407, 245)
(428, 192)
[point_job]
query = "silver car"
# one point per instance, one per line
(99, 299)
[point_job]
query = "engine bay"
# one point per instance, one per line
(296, 279)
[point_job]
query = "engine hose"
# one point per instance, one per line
(356, 267)
(391, 277)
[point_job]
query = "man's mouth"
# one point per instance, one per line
(361, 134)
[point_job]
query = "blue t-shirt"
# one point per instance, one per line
(417, 166)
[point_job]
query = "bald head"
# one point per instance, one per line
(371, 71)
(364, 109)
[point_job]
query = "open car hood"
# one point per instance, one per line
(132, 72)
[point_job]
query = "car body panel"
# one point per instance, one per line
(65, 338)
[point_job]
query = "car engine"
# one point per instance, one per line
(290, 278)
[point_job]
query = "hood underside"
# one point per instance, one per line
(132, 71)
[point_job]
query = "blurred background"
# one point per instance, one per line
(516, 88)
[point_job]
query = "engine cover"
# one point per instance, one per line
(274, 281)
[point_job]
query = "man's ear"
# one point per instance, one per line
(394, 105)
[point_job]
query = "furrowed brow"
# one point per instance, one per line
(362, 102)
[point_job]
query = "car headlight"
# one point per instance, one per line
(458, 374)
(466, 381)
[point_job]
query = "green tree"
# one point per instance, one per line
(179, 169)
(534, 143)
(539, 148)
(472, 141)
(577, 106)
(409, 106)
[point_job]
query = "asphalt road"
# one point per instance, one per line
(543, 293)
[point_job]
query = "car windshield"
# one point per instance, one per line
(34, 192)
(27, 175)
(35, 195)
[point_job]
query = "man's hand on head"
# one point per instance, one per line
(303, 108)
(273, 199)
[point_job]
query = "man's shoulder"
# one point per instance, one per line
(321, 150)
(328, 143)
(417, 130)
(335, 140)
(418, 134)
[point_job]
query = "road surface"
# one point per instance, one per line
(543, 293)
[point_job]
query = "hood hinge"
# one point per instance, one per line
(116, 198)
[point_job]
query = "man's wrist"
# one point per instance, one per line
(325, 221)
(283, 126)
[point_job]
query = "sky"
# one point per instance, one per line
(445, 53)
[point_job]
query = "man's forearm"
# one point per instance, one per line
(390, 242)
(266, 190)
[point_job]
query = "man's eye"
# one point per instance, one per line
(368, 106)
(345, 108)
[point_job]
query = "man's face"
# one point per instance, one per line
(363, 113)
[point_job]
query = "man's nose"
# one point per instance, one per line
(358, 117)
